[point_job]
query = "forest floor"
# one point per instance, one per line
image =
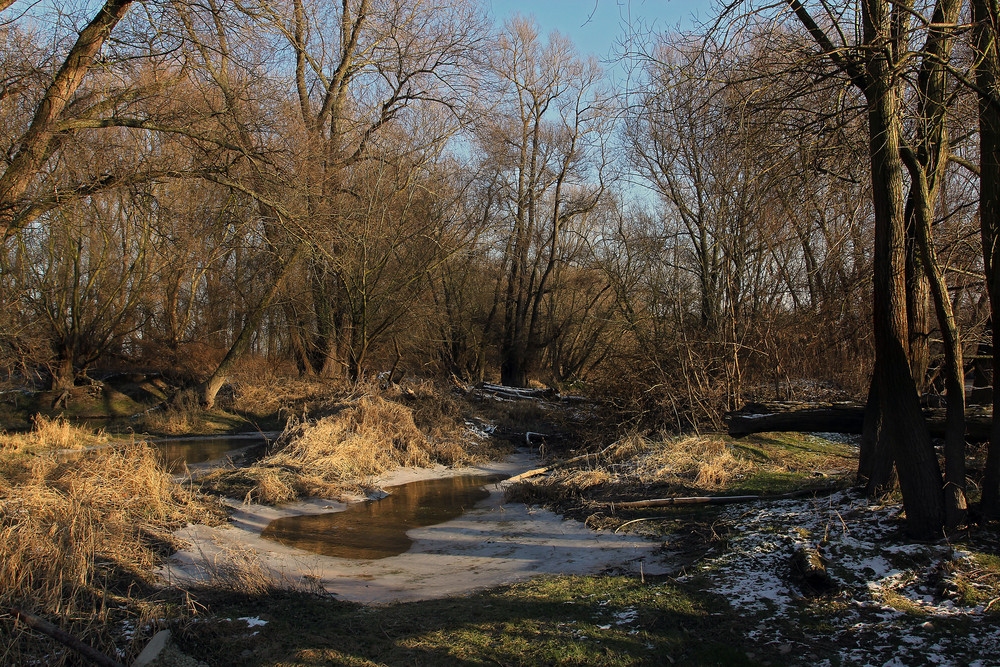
(724, 584)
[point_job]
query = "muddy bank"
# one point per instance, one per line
(492, 543)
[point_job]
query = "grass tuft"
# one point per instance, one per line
(78, 540)
(334, 453)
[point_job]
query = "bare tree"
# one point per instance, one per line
(545, 149)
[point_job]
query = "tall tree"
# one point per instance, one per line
(545, 148)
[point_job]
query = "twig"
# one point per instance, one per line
(560, 464)
(645, 518)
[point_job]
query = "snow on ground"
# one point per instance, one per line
(895, 605)
(494, 543)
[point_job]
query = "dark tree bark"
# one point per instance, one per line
(876, 72)
(907, 434)
(986, 17)
(875, 469)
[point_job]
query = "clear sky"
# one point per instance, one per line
(595, 26)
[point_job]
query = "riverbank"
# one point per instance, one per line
(552, 569)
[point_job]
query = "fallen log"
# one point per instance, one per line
(718, 500)
(809, 568)
(838, 418)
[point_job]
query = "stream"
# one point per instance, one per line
(440, 532)
(378, 528)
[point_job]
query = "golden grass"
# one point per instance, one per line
(49, 433)
(701, 464)
(77, 537)
(337, 451)
(701, 461)
(182, 415)
(240, 570)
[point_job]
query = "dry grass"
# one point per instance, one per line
(704, 462)
(49, 433)
(348, 441)
(240, 570)
(672, 465)
(265, 393)
(182, 415)
(78, 539)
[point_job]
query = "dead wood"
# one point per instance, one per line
(809, 568)
(843, 417)
(86, 650)
(717, 500)
(584, 458)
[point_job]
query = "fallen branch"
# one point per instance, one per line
(86, 650)
(843, 417)
(716, 500)
(584, 458)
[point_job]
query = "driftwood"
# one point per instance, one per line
(717, 500)
(514, 393)
(86, 650)
(583, 458)
(838, 418)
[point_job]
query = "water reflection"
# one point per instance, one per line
(180, 451)
(377, 529)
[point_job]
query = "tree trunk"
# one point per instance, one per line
(513, 369)
(917, 304)
(64, 370)
(903, 423)
(35, 145)
(985, 15)
(954, 449)
(210, 387)
(875, 469)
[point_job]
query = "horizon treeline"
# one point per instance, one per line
(340, 189)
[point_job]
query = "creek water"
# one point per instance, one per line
(377, 528)
(178, 452)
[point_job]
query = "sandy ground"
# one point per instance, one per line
(489, 545)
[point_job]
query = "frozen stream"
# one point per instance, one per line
(488, 544)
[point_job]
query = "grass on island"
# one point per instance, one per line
(333, 451)
(638, 468)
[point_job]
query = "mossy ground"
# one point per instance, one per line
(596, 620)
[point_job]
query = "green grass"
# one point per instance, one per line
(599, 620)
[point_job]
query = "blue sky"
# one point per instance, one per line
(596, 25)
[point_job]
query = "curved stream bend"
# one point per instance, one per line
(377, 528)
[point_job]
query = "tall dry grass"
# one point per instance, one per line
(345, 442)
(49, 433)
(701, 461)
(78, 542)
(636, 462)
(181, 415)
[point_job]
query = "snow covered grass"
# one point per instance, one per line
(895, 601)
